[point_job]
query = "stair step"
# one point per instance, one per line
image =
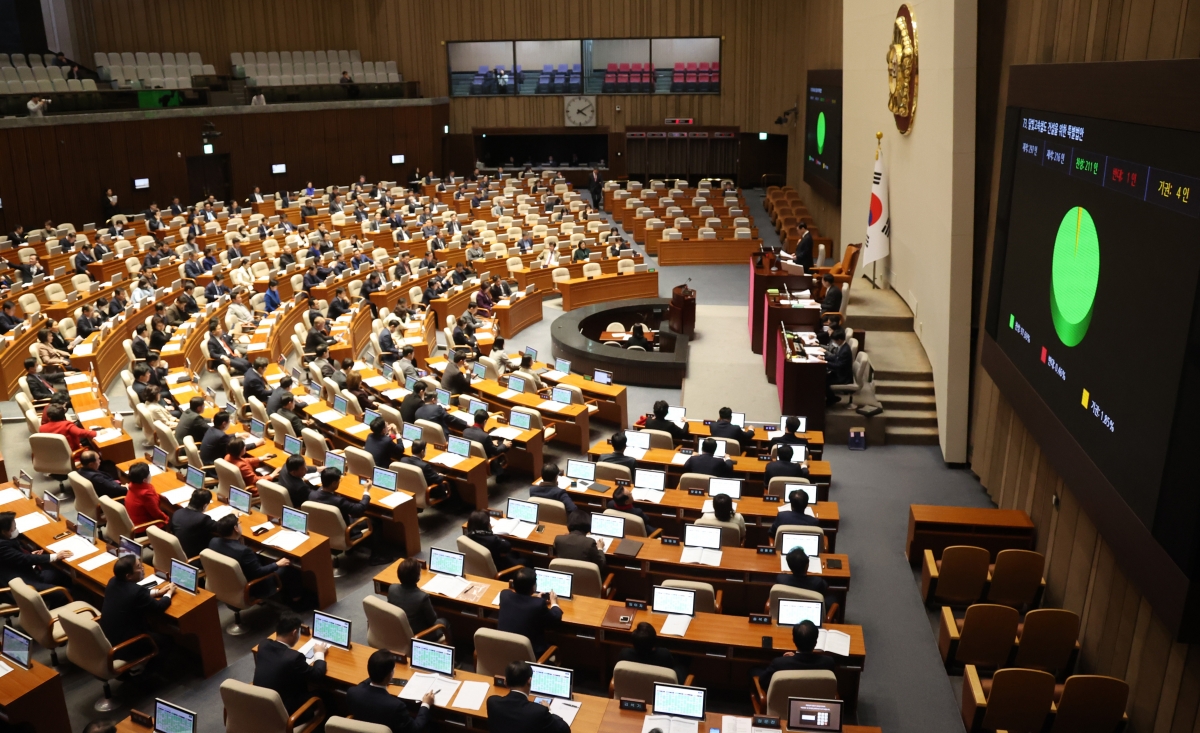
(906, 435)
(902, 386)
(913, 418)
(907, 401)
(890, 376)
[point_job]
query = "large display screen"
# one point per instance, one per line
(1100, 262)
(823, 137)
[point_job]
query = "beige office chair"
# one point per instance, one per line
(193, 459)
(536, 422)
(708, 600)
(731, 531)
(587, 580)
(559, 275)
(281, 427)
(273, 497)
(732, 447)
(314, 446)
(780, 590)
(176, 455)
(958, 578)
(89, 649)
(478, 559)
(117, 522)
(431, 432)
(225, 579)
(410, 479)
(36, 619)
(52, 456)
(227, 475)
(983, 637)
(258, 410)
(634, 526)
(778, 486)
(612, 471)
(86, 500)
(338, 724)
(327, 520)
(166, 547)
(1090, 703)
(693, 481)
(1017, 700)
(777, 540)
(495, 650)
(820, 684)
(252, 709)
(660, 439)
(359, 462)
(388, 627)
(550, 510)
(632, 680)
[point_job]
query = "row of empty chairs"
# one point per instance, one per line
(286, 68)
(151, 58)
(20, 60)
(294, 57)
(151, 70)
(43, 86)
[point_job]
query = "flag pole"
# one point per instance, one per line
(875, 263)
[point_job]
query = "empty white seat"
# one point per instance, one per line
(273, 81)
(99, 57)
(195, 69)
(193, 58)
(169, 58)
(59, 85)
(18, 59)
(39, 73)
(89, 85)
(155, 58)
(272, 57)
(209, 69)
(344, 57)
(285, 57)
(320, 57)
(285, 80)
(54, 72)
(127, 59)
(73, 85)
(393, 78)
(142, 58)
(355, 56)
(310, 57)
(43, 85)
(391, 67)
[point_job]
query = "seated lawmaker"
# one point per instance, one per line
(576, 545)
(415, 603)
(791, 433)
(798, 577)
(804, 636)
(191, 526)
(479, 528)
(706, 462)
(795, 514)
(35, 568)
(104, 485)
(784, 466)
(230, 543)
(370, 701)
(660, 422)
(645, 650)
(279, 667)
(548, 487)
(723, 515)
(622, 501)
(515, 712)
(131, 608)
(619, 441)
(526, 612)
(724, 428)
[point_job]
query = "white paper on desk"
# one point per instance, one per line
(395, 499)
(286, 540)
(77, 378)
(446, 585)
(4, 669)
(733, 724)
(471, 695)
(398, 393)
(181, 390)
(678, 459)
(707, 507)
(443, 689)
(220, 511)
(376, 381)
(98, 561)
(83, 350)
(413, 340)
(668, 724)
(814, 565)
(461, 417)
(33, 520)
(496, 600)
(603, 542)
(834, 642)
(565, 709)
(553, 374)
(675, 625)
(506, 433)
(636, 454)
(182, 377)
(107, 434)
(508, 394)
(178, 496)
(81, 390)
(449, 460)
(90, 415)
(648, 495)
(358, 429)
(552, 406)
(151, 580)
(700, 556)
(8, 495)
(265, 526)
(76, 545)
(328, 416)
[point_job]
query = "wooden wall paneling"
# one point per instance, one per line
(1183, 718)
(1094, 622)
(1041, 508)
(1059, 560)
(1083, 553)
(1172, 681)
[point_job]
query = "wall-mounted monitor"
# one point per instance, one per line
(141, 183)
(397, 159)
(823, 132)
(277, 168)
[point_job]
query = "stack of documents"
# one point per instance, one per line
(676, 624)
(420, 683)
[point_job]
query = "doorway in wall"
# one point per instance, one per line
(210, 174)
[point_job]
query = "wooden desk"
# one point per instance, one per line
(723, 648)
(515, 317)
(761, 280)
(103, 271)
(12, 358)
(87, 396)
(453, 304)
(744, 576)
(617, 720)
(776, 313)
(937, 527)
(34, 697)
(762, 438)
(571, 422)
(801, 385)
(579, 292)
(543, 277)
(706, 251)
(191, 619)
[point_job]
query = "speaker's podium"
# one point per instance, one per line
(682, 311)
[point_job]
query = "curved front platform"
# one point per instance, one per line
(576, 336)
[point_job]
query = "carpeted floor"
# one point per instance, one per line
(723, 371)
(904, 687)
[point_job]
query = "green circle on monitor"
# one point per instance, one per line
(820, 133)
(1074, 275)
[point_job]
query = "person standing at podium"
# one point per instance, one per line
(804, 249)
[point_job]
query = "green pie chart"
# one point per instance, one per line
(821, 133)
(1074, 275)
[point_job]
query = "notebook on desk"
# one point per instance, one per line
(627, 548)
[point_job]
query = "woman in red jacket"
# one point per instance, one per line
(142, 501)
(245, 463)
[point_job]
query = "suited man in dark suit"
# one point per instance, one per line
(433, 412)
(279, 667)
(193, 268)
(548, 487)
(798, 577)
(40, 388)
(622, 501)
(215, 443)
(216, 288)
(83, 259)
(129, 609)
(596, 188)
(804, 635)
(576, 545)
(791, 434)
(707, 463)
(8, 317)
(292, 479)
(833, 296)
(645, 650)
(660, 422)
(228, 542)
(618, 456)
(191, 526)
(724, 428)
(839, 366)
(105, 485)
(440, 485)
(804, 249)
(415, 603)
(253, 384)
(370, 702)
(492, 446)
(526, 612)
(34, 568)
(327, 494)
(515, 712)
(784, 466)
(798, 500)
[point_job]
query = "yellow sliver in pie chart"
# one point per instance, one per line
(1074, 275)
